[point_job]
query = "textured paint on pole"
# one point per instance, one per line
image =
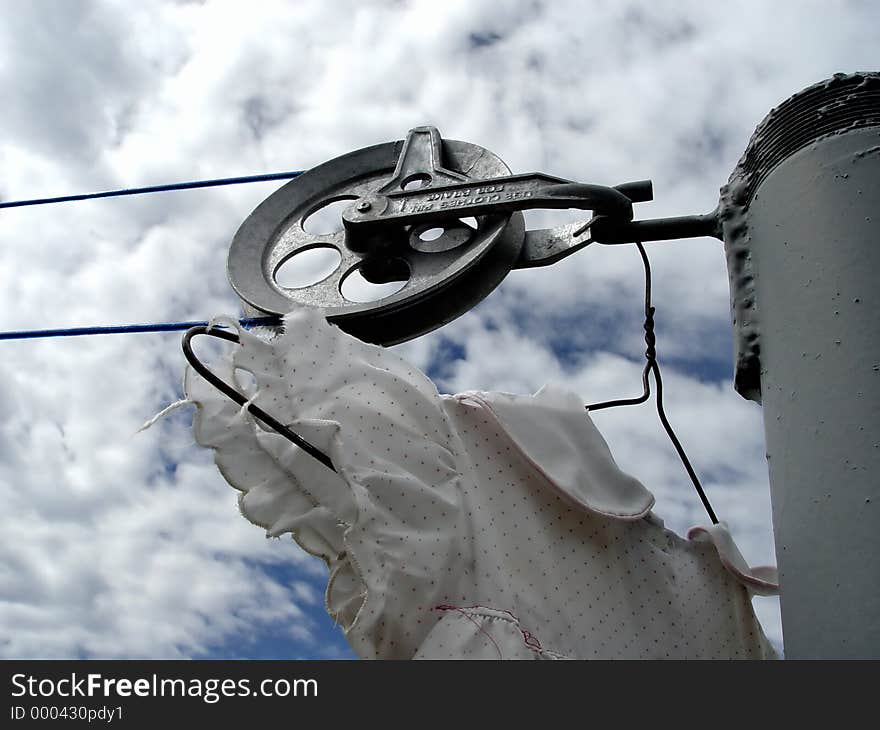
(801, 222)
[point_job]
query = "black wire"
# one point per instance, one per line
(677, 444)
(650, 339)
(652, 366)
(239, 398)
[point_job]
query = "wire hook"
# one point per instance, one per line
(241, 399)
(652, 366)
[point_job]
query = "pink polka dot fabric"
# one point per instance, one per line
(474, 526)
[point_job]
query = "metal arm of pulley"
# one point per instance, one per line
(546, 246)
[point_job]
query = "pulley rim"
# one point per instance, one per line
(445, 280)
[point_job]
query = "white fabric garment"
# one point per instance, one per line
(480, 525)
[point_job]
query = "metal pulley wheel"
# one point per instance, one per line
(445, 275)
(403, 219)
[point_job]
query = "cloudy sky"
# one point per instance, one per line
(117, 544)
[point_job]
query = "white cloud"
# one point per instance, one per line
(117, 545)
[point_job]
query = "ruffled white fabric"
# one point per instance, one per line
(482, 525)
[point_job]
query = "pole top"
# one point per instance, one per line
(833, 107)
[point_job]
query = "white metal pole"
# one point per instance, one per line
(801, 222)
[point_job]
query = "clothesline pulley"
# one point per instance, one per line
(442, 218)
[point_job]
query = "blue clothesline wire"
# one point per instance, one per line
(124, 329)
(155, 326)
(157, 189)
